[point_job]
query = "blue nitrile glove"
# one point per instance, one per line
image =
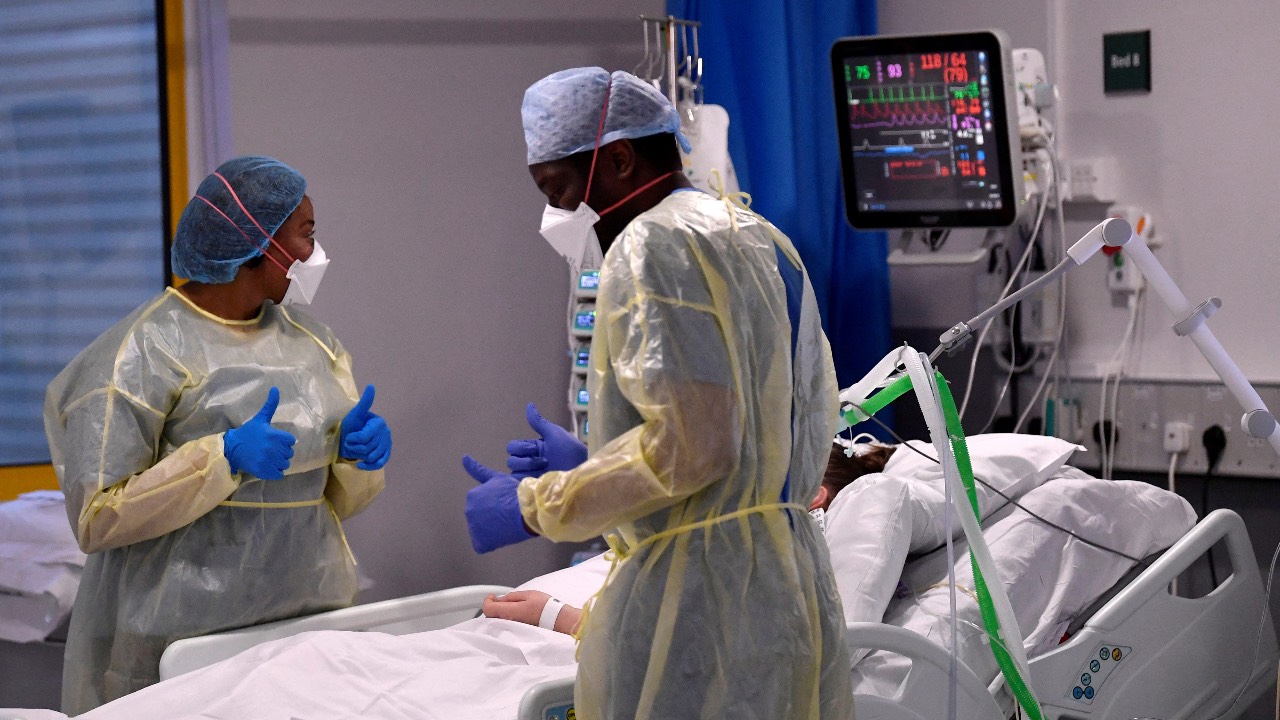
(364, 436)
(257, 448)
(493, 509)
(557, 450)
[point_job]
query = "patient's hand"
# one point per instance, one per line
(526, 606)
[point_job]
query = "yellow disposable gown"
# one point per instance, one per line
(723, 603)
(178, 545)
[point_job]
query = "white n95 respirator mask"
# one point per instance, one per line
(305, 277)
(573, 236)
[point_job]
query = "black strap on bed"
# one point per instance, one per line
(1092, 608)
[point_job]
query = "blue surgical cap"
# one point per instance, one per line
(208, 247)
(561, 112)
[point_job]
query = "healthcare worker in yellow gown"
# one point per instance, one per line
(211, 443)
(713, 401)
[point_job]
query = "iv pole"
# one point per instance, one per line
(665, 28)
(1190, 321)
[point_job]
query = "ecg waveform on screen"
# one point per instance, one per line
(889, 115)
(923, 116)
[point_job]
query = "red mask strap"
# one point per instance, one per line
(252, 219)
(242, 232)
(604, 110)
(636, 192)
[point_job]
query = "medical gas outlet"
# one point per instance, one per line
(1122, 276)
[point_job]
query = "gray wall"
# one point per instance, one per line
(404, 116)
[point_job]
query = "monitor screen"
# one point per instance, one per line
(927, 130)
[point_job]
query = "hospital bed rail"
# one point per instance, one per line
(1167, 657)
(1172, 657)
(401, 616)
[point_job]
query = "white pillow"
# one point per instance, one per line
(1014, 463)
(878, 520)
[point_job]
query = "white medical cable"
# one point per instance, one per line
(1013, 275)
(1139, 300)
(1173, 485)
(1008, 378)
(1052, 367)
(1055, 187)
(1118, 359)
(1063, 339)
(1007, 499)
(1106, 436)
(1025, 366)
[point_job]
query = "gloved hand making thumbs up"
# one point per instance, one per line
(257, 448)
(364, 436)
(557, 448)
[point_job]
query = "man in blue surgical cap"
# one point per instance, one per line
(712, 407)
(211, 443)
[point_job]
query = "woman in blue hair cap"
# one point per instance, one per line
(211, 443)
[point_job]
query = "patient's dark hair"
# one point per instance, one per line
(842, 470)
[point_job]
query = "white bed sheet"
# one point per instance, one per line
(477, 670)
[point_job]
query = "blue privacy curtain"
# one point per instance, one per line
(768, 63)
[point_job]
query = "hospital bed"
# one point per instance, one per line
(1166, 656)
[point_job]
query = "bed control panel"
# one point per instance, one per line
(560, 712)
(1093, 674)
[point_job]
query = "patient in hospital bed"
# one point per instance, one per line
(885, 504)
(887, 539)
(887, 536)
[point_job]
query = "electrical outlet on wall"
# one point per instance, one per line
(1148, 411)
(1093, 179)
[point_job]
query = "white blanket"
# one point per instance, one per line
(477, 670)
(481, 668)
(40, 566)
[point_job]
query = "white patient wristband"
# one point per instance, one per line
(550, 612)
(819, 516)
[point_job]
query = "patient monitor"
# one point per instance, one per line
(928, 130)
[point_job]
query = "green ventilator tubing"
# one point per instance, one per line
(990, 621)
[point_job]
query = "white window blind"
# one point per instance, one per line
(82, 236)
